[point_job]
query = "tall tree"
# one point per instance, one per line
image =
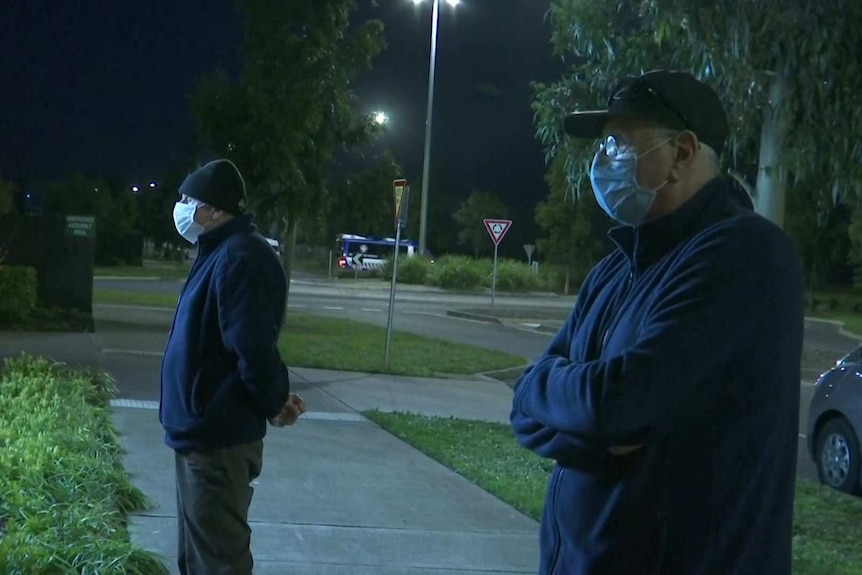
(815, 222)
(470, 215)
(566, 219)
(8, 193)
(294, 103)
(780, 66)
(364, 203)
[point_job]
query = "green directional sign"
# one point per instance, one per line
(81, 226)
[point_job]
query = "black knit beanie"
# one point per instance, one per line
(218, 184)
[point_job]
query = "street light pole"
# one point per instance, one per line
(426, 166)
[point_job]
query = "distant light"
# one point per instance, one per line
(380, 118)
(28, 196)
(453, 2)
(135, 189)
(152, 184)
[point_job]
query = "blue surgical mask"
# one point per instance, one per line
(613, 176)
(184, 220)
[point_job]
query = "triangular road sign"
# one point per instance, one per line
(497, 229)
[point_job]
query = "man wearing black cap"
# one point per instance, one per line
(670, 398)
(222, 375)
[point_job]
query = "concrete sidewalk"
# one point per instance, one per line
(338, 495)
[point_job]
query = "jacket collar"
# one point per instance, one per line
(645, 244)
(242, 223)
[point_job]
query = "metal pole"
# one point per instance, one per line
(423, 210)
(494, 277)
(330, 264)
(392, 298)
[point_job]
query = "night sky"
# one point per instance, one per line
(102, 87)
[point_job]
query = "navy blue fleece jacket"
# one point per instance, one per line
(222, 375)
(686, 340)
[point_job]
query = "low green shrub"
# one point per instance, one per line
(64, 495)
(411, 270)
(458, 273)
(516, 276)
(18, 292)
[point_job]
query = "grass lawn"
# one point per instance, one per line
(825, 529)
(158, 269)
(340, 344)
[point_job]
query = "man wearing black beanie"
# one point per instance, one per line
(222, 376)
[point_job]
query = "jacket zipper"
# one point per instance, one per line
(616, 318)
(555, 556)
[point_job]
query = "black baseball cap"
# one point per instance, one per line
(674, 99)
(218, 184)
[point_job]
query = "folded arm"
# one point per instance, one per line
(702, 316)
(539, 438)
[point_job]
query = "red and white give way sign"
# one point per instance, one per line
(497, 229)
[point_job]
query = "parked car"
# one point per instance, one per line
(835, 424)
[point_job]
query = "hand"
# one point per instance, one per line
(623, 449)
(290, 412)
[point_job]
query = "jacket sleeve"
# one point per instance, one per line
(704, 313)
(251, 300)
(539, 438)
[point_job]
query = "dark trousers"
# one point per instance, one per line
(213, 496)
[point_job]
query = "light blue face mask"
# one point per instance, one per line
(613, 175)
(184, 220)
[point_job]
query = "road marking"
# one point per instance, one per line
(135, 307)
(312, 415)
(297, 306)
(111, 350)
(368, 309)
(803, 436)
(129, 278)
(333, 308)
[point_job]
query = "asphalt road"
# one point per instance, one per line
(424, 312)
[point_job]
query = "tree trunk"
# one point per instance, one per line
(287, 256)
(567, 284)
(770, 189)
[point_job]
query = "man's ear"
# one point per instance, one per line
(687, 150)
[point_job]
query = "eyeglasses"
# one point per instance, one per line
(613, 146)
(637, 90)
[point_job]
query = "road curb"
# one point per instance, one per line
(474, 316)
(549, 329)
(505, 376)
(840, 324)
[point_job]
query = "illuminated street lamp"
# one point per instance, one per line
(380, 118)
(423, 210)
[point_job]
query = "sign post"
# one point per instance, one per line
(529, 248)
(398, 187)
(80, 226)
(496, 229)
(401, 203)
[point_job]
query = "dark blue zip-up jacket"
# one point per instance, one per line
(222, 375)
(687, 340)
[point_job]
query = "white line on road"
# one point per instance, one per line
(296, 306)
(135, 307)
(333, 308)
(368, 309)
(131, 352)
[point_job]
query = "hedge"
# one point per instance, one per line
(18, 292)
(64, 495)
